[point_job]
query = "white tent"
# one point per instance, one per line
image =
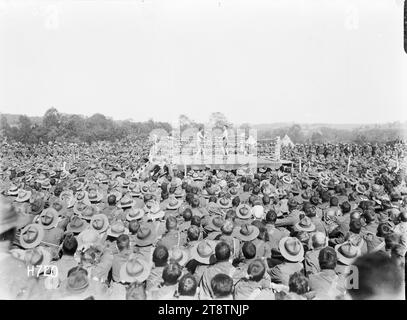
(286, 141)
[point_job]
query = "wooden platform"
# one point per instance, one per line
(232, 162)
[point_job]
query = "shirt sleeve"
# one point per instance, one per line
(310, 267)
(290, 220)
(275, 274)
(102, 270)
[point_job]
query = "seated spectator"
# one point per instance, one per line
(160, 259)
(254, 286)
(327, 284)
(169, 285)
(297, 286)
(292, 251)
(222, 265)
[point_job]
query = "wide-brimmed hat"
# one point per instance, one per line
(125, 183)
(214, 209)
(369, 175)
(246, 232)
(82, 196)
(63, 175)
(76, 224)
(179, 192)
(327, 183)
(85, 211)
(37, 205)
(87, 238)
(376, 188)
(176, 182)
(41, 178)
(144, 189)
(115, 193)
(291, 249)
(179, 255)
(258, 211)
(94, 196)
(347, 253)
(12, 190)
(233, 191)
(31, 235)
(145, 236)
(49, 218)
(126, 202)
(323, 175)
(117, 229)
(77, 281)
(155, 212)
(244, 211)
(215, 223)
(203, 250)
(135, 191)
(353, 181)
(52, 173)
(287, 179)
(153, 188)
(135, 175)
(312, 174)
(295, 189)
(306, 195)
(78, 186)
(224, 203)
(37, 257)
(198, 176)
(134, 269)
(281, 193)
(68, 198)
(113, 184)
(148, 204)
(58, 205)
(262, 169)
(268, 191)
(102, 178)
(305, 224)
(135, 214)
(360, 188)
(46, 184)
(174, 204)
(99, 222)
(23, 195)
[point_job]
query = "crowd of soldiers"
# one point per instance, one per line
(101, 221)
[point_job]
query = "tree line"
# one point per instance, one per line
(75, 128)
(55, 126)
(377, 134)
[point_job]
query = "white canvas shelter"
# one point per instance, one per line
(286, 141)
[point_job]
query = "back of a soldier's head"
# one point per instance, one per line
(193, 233)
(222, 285)
(222, 251)
(111, 200)
(187, 285)
(171, 223)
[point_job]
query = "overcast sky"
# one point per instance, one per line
(257, 61)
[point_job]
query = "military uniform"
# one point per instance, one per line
(16, 284)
